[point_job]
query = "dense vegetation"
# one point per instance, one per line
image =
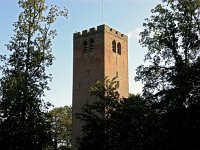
(24, 123)
(167, 114)
(61, 122)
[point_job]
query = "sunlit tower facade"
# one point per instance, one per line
(97, 53)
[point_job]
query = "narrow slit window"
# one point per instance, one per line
(119, 48)
(114, 46)
(92, 45)
(85, 46)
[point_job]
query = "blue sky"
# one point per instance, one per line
(126, 16)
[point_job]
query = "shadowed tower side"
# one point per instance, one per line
(98, 53)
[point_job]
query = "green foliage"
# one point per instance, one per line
(171, 81)
(128, 123)
(97, 130)
(61, 121)
(167, 116)
(112, 123)
(23, 121)
(171, 35)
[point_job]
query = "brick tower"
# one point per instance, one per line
(98, 53)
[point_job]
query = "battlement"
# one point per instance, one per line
(101, 28)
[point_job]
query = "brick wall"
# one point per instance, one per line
(91, 64)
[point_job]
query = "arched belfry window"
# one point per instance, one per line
(91, 45)
(85, 46)
(119, 47)
(114, 46)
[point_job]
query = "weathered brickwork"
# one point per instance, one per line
(98, 53)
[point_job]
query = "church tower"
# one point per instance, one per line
(97, 53)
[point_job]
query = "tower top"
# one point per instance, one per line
(100, 28)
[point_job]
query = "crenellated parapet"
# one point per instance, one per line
(101, 28)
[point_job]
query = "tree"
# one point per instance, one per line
(1, 60)
(61, 121)
(171, 81)
(24, 123)
(130, 121)
(96, 115)
(116, 124)
(167, 116)
(172, 38)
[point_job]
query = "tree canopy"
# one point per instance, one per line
(171, 80)
(61, 125)
(166, 116)
(96, 115)
(171, 35)
(23, 120)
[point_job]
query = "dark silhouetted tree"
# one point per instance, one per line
(23, 121)
(61, 122)
(171, 81)
(96, 116)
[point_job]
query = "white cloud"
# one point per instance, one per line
(135, 33)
